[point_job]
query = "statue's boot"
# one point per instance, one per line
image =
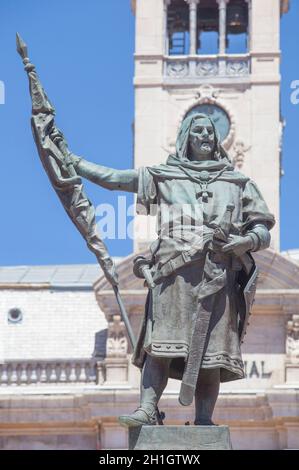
(206, 395)
(154, 379)
(139, 417)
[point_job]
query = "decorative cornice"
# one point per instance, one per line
(44, 286)
(24, 286)
(284, 5)
(149, 57)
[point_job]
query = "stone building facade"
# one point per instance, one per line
(65, 372)
(221, 56)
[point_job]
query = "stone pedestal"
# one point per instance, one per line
(116, 370)
(292, 374)
(180, 438)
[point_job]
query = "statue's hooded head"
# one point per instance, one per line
(183, 139)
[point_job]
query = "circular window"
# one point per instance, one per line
(218, 116)
(14, 315)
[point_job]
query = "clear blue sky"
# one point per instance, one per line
(83, 51)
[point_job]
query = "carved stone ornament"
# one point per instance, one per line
(236, 68)
(239, 151)
(117, 344)
(207, 68)
(207, 91)
(177, 69)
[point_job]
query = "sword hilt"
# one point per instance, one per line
(141, 269)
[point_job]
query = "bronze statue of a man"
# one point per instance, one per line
(204, 275)
(201, 274)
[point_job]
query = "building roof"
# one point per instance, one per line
(75, 275)
(293, 254)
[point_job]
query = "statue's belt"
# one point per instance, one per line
(186, 258)
(175, 264)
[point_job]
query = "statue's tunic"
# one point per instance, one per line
(172, 304)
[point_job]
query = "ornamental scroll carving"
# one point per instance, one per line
(237, 68)
(177, 69)
(207, 68)
(117, 344)
(239, 151)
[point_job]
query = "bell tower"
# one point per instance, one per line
(221, 57)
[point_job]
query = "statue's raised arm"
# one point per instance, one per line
(109, 178)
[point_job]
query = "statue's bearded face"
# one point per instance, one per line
(201, 139)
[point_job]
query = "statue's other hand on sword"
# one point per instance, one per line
(238, 245)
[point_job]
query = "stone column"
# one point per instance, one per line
(193, 25)
(165, 32)
(249, 30)
(222, 25)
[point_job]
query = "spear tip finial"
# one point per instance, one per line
(21, 47)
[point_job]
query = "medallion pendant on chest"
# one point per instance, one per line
(204, 180)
